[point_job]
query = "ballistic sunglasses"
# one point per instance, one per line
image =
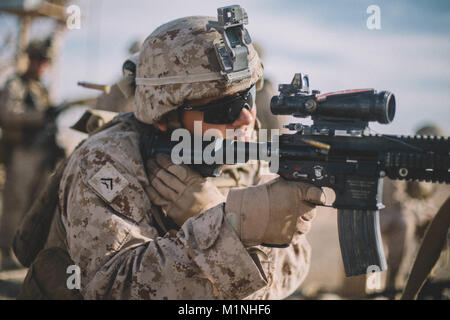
(228, 109)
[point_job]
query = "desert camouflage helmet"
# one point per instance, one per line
(178, 63)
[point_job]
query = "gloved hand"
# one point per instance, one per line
(272, 212)
(179, 190)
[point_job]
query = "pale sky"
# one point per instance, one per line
(328, 39)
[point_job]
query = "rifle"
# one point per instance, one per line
(338, 152)
(352, 162)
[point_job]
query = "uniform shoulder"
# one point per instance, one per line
(109, 163)
(118, 144)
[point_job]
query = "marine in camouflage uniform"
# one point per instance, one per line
(410, 207)
(120, 97)
(22, 112)
(155, 230)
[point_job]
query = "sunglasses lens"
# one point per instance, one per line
(225, 115)
(228, 110)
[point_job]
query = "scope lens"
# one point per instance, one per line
(389, 108)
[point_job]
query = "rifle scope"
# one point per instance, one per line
(362, 104)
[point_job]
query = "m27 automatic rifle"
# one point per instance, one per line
(337, 151)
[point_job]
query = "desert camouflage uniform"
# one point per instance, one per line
(109, 230)
(21, 108)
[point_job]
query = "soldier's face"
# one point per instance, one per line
(242, 126)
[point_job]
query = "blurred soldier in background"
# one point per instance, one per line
(426, 197)
(423, 201)
(28, 142)
(409, 208)
(116, 98)
(120, 96)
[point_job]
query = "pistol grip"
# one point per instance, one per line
(360, 241)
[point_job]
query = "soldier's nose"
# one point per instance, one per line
(245, 118)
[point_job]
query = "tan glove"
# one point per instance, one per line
(180, 191)
(272, 212)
